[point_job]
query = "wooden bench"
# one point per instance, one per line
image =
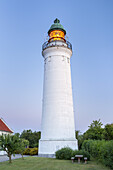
(78, 156)
(85, 159)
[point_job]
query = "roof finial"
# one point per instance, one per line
(56, 20)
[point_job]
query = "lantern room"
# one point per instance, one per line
(56, 31)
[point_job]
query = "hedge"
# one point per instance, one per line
(100, 150)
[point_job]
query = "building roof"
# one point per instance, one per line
(57, 26)
(4, 127)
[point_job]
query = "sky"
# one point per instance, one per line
(23, 29)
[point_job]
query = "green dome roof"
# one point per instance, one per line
(56, 26)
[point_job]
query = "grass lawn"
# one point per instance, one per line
(36, 163)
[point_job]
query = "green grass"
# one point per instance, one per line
(36, 163)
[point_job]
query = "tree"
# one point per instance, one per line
(108, 132)
(32, 137)
(79, 137)
(9, 144)
(17, 134)
(22, 145)
(77, 133)
(95, 131)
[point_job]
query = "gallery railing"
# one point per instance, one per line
(56, 43)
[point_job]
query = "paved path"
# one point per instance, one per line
(5, 158)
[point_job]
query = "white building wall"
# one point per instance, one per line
(5, 133)
(58, 128)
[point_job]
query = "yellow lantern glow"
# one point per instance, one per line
(56, 35)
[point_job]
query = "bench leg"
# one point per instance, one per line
(85, 162)
(72, 160)
(78, 160)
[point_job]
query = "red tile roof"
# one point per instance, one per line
(4, 127)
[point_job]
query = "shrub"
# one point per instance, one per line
(100, 150)
(107, 153)
(31, 151)
(64, 153)
(34, 151)
(81, 152)
(27, 151)
(17, 152)
(93, 147)
(87, 145)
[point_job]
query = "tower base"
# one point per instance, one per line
(47, 148)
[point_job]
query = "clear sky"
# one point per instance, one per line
(23, 30)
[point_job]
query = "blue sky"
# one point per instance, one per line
(23, 30)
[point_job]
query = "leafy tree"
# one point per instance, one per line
(17, 134)
(108, 132)
(95, 131)
(32, 137)
(79, 137)
(9, 144)
(77, 133)
(22, 145)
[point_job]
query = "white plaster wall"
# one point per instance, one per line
(58, 117)
(57, 111)
(3, 153)
(5, 133)
(51, 146)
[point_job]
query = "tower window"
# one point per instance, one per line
(62, 58)
(68, 60)
(49, 58)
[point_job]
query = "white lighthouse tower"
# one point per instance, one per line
(58, 129)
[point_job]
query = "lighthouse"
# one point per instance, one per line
(58, 128)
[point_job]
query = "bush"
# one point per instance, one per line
(34, 151)
(27, 151)
(81, 152)
(64, 153)
(93, 147)
(31, 151)
(100, 150)
(107, 154)
(17, 152)
(87, 145)
(67, 153)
